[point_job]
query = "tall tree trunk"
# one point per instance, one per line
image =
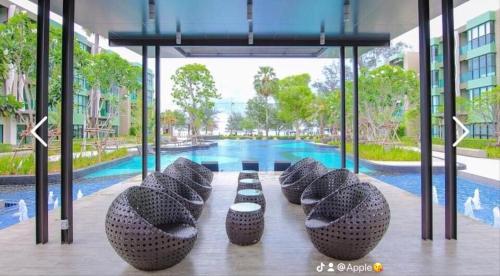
(297, 131)
(267, 117)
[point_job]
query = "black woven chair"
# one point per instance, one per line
(296, 183)
(293, 167)
(324, 186)
(181, 192)
(199, 169)
(186, 176)
(149, 229)
(350, 222)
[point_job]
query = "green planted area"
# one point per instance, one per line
(488, 145)
(25, 165)
(382, 152)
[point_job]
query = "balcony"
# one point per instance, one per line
(485, 72)
(437, 59)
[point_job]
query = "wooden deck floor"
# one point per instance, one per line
(285, 248)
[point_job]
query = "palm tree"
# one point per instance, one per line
(169, 119)
(266, 84)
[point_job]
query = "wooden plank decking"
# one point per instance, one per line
(285, 248)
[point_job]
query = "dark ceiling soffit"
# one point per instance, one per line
(315, 54)
(368, 40)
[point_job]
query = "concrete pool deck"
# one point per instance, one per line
(284, 248)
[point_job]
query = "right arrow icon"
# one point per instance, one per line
(466, 131)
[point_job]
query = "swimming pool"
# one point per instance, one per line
(230, 153)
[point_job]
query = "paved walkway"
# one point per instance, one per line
(285, 248)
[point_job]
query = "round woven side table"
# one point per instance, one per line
(251, 195)
(248, 174)
(249, 183)
(245, 223)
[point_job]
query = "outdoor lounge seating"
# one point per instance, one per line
(349, 223)
(251, 195)
(249, 183)
(149, 229)
(280, 166)
(211, 165)
(324, 186)
(248, 174)
(199, 169)
(193, 180)
(245, 223)
(300, 178)
(294, 167)
(250, 165)
(179, 191)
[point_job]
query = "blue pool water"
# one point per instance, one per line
(230, 153)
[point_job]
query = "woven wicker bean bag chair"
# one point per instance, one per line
(297, 182)
(350, 222)
(293, 167)
(201, 170)
(181, 192)
(324, 186)
(149, 229)
(186, 176)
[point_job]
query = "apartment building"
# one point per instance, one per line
(11, 127)
(477, 70)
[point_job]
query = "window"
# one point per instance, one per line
(434, 52)
(1, 134)
(482, 66)
(436, 103)
(481, 35)
(476, 92)
(19, 135)
(81, 103)
(435, 78)
(482, 130)
(77, 131)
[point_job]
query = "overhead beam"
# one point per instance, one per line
(368, 40)
(42, 91)
(68, 37)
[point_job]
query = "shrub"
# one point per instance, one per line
(5, 147)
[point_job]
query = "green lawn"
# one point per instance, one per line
(25, 165)
(488, 145)
(382, 153)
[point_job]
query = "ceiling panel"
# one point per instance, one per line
(228, 18)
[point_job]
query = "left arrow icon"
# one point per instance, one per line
(33, 131)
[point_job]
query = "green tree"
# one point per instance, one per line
(234, 123)
(487, 106)
(266, 84)
(295, 101)
(194, 91)
(18, 43)
(387, 92)
(248, 125)
(256, 111)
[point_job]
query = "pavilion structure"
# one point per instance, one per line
(246, 28)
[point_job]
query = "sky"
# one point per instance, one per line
(234, 77)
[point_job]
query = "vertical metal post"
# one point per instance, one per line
(450, 154)
(355, 112)
(42, 91)
(342, 108)
(425, 119)
(68, 37)
(144, 111)
(157, 109)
